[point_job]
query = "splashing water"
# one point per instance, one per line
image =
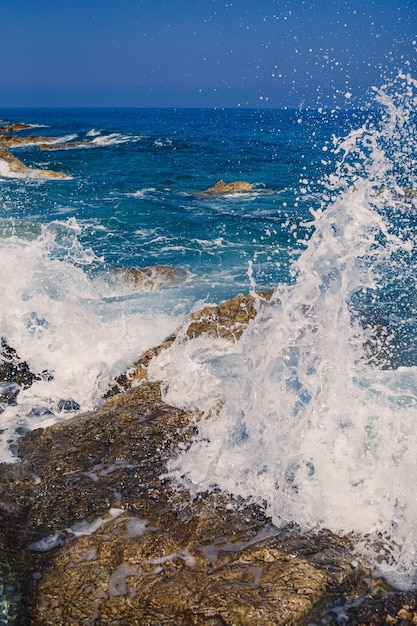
(73, 331)
(320, 396)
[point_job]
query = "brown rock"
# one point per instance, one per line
(20, 168)
(95, 532)
(13, 162)
(150, 278)
(228, 320)
(11, 141)
(222, 188)
(10, 128)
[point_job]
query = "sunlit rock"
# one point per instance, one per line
(16, 166)
(221, 188)
(96, 533)
(149, 278)
(13, 162)
(228, 319)
(11, 128)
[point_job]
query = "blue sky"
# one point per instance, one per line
(209, 53)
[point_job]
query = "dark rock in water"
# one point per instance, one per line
(9, 392)
(97, 534)
(12, 369)
(221, 188)
(68, 405)
(38, 411)
(15, 374)
(65, 145)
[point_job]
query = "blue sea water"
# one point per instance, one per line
(310, 423)
(134, 191)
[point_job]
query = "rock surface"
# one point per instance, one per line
(15, 165)
(98, 535)
(149, 278)
(221, 188)
(11, 141)
(99, 538)
(65, 145)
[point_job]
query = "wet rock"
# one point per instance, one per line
(12, 369)
(11, 141)
(229, 319)
(17, 166)
(96, 533)
(149, 278)
(15, 374)
(10, 128)
(99, 536)
(13, 162)
(65, 145)
(221, 188)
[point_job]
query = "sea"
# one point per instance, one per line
(317, 402)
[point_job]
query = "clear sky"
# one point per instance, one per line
(208, 53)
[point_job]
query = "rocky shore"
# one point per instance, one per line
(93, 534)
(16, 166)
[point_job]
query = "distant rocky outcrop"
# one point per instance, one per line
(221, 188)
(15, 165)
(95, 533)
(10, 128)
(12, 141)
(65, 145)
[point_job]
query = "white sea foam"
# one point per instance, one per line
(64, 139)
(60, 320)
(309, 425)
(93, 133)
(112, 139)
(6, 172)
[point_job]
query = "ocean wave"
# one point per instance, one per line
(141, 193)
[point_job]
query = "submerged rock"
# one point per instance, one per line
(149, 278)
(221, 188)
(65, 145)
(11, 141)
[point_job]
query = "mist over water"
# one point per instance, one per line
(319, 398)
